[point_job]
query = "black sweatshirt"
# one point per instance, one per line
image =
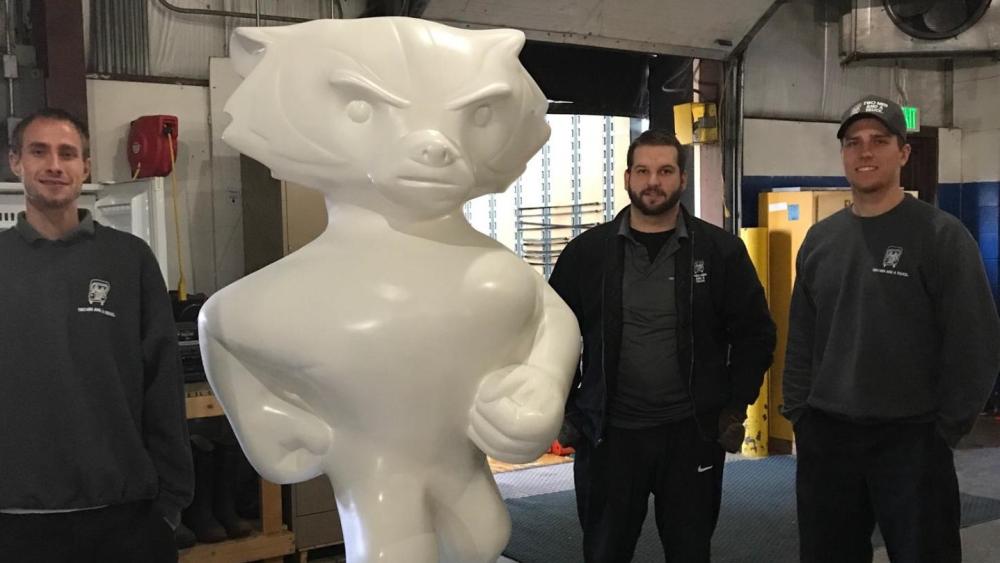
(91, 397)
(892, 318)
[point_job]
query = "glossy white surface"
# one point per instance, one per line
(399, 346)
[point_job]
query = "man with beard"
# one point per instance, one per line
(677, 337)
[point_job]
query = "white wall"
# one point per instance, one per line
(977, 85)
(981, 156)
(227, 182)
(949, 156)
(790, 148)
(112, 106)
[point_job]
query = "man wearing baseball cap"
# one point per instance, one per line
(893, 348)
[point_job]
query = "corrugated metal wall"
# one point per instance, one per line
(145, 38)
(118, 37)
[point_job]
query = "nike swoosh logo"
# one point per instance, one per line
(704, 469)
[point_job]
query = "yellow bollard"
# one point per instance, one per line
(755, 443)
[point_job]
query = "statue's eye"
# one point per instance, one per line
(359, 111)
(483, 115)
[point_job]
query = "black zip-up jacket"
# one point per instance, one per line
(725, 335)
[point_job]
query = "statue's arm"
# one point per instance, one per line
(518, 409)
(283, 441)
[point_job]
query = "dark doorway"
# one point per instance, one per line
(921, 172)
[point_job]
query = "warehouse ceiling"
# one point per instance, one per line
(706, 29)
(606, 57)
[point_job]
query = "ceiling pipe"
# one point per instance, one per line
(258, 16)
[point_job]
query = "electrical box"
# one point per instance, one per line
(696, 123)
(152, 145)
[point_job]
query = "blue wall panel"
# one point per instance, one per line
(949, 198)
(989, 245)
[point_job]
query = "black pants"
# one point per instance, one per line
(614, 481)
(126, 533)
(850, 476)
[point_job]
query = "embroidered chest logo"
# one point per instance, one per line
(97, 294)
(893, 254)
(699, 272)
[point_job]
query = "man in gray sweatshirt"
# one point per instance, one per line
(94, 458)
(893, 348)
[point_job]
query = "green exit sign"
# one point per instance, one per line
(912, 116)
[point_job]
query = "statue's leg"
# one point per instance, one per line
(471, 519)
(387, 521)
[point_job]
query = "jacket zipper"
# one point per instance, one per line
(604, 371)
(691, 318)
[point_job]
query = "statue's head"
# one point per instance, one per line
(425, 115)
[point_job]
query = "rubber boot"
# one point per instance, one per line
(227, 460)
(199, 516)
(184, 537)
(247, 491)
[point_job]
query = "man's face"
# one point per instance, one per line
(51, 164)
(872, 156)
(655, 182)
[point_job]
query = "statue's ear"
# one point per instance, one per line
(507, 42)
(247, 46)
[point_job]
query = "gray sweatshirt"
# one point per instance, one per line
(892, 319)
(91, 395)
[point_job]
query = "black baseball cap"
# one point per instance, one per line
(886, 111)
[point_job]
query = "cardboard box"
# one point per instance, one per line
(830, 202)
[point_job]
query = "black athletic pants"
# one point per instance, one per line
(126, 533)
(614, 481)
(850, 476)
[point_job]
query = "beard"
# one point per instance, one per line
(668, 204)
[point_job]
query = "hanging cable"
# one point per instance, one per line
(181, 283)
(668, 84)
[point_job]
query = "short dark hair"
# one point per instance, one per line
(658, 138)
(55, 114)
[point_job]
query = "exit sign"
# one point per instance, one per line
(912, 115)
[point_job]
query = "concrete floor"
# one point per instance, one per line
(977, 463)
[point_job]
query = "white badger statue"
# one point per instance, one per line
(401, 345)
